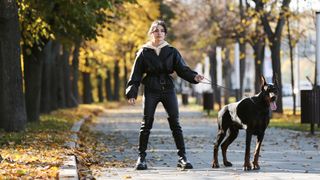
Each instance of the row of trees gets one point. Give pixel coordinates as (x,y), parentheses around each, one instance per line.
(208,24)
(56,40)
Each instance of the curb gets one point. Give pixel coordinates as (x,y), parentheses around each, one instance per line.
(69,168)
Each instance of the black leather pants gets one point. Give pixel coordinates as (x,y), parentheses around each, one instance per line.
(170,103)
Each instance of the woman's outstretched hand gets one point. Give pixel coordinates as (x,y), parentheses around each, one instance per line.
(132,101)
(198,78)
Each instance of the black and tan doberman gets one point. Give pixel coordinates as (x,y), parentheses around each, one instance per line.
(251,114)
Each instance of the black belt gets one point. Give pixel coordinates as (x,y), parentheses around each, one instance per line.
(162,77)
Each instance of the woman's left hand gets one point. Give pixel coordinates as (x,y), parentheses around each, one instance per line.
(198,78)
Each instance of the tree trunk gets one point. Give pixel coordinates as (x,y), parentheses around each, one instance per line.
(47,100)
(61,95)
(66,77)
(108,86)
(274,38)
(116,81)
(276,67)
(227,75)
(100,89)
(213,73)
(291,66)
(125,77)
(54,91)
(87,88)
(12,112)
(258,48)
(242,49)
(75,75)
(32,77)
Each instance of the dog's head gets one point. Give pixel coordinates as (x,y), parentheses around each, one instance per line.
(269,92)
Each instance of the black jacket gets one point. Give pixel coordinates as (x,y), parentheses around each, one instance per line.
(157,70)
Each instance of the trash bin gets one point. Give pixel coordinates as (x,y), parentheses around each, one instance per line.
(208,101)
(310,106)
(185,99)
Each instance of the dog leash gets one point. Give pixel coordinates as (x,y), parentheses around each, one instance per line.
(214,84)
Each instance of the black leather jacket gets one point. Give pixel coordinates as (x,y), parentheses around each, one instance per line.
(157,70)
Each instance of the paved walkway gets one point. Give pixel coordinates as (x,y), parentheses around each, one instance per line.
(285,154)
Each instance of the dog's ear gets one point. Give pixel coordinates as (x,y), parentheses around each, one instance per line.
(263,80)
(263,83)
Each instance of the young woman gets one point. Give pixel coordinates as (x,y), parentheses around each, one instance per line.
(158,59)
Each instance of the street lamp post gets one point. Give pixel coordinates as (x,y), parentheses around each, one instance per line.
(316,88)
(317,82)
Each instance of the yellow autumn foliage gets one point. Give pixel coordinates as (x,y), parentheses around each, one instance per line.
(121,39)
(39,151)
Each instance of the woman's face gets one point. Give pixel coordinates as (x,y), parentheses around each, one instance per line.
(158,34)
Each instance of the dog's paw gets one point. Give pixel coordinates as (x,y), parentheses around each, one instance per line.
(256,167)
(247,167)
(227,164)
(215,165)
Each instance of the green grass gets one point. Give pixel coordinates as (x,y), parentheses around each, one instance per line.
(289,121)
(10,137)
(293,125)
(47,123)
(56,124)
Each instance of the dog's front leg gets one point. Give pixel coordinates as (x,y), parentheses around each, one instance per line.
(257,152)
(247,165)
